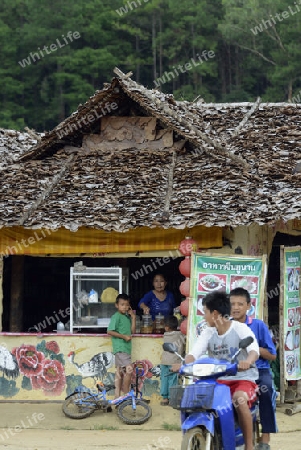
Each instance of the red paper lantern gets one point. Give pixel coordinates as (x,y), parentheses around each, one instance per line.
(185,287)
(184,307)
(185,267)
(187,246)
(183,326)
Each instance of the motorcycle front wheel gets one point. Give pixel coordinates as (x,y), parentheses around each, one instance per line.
(132,416)
(194,439)
(76,409)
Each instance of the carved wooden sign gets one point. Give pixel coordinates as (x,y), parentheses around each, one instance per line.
(120,133)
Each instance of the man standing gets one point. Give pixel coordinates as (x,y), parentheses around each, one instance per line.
(240,303)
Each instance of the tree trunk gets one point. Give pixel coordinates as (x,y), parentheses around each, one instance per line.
(154,46)
(160,47)
(290,90)
(138,56)
(237,77)
(222,66)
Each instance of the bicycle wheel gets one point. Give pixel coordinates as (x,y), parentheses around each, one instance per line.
(130,416)
(78,410)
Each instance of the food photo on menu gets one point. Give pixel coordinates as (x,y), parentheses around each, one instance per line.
(200,327)
(251,312)
(289,343)
(298,315)
(293,279)
(291,317)
(297,338)
(290,364)
(244,281)
(200,310)
(211,282)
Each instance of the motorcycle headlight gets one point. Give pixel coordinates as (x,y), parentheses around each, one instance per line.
(203,370)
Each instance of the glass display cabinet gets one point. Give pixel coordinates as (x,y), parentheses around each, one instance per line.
(93,291)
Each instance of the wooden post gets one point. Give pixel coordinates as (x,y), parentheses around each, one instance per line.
(265,308)
(1,291)
(281,328)
(16,294)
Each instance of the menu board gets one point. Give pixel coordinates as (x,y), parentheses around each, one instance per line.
(211,273)
(291,312)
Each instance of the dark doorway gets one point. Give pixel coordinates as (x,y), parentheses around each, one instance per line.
(273,282)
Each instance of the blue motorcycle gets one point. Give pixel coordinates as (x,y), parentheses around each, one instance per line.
(208,418)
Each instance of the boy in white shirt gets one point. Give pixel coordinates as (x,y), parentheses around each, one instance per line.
(221,340)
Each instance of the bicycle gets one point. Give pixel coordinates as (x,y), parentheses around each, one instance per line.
(132,409)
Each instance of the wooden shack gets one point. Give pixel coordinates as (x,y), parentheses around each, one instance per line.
(120,183)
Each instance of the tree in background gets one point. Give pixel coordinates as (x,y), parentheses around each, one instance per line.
(255,44)
(266,37)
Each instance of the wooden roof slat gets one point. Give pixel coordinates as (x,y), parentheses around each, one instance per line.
(246,118)
(57,178)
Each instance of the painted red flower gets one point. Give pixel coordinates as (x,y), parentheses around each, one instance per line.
(30,361)
(52,379)
(144,365)
(52,346)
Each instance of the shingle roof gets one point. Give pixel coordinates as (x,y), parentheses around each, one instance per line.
(13,144)
(230,164)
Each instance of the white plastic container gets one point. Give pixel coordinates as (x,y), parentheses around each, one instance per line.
(60,326)
(93,296)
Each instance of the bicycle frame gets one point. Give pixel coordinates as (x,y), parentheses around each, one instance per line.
(96,397)
(131,395)
(131,409)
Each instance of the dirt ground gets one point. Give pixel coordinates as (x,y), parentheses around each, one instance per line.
(43,426)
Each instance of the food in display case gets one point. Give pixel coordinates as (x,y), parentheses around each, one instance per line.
(109,295)
(88,320)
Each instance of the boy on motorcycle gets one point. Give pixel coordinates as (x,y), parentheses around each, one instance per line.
(221,340)
(240,303)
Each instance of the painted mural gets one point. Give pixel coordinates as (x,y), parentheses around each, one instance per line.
(53,368)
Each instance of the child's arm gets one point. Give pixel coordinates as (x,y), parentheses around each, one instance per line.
(120,336)
(265,354)
(252,349)
(267,348)
(246,363)
(200,347)
(189,359)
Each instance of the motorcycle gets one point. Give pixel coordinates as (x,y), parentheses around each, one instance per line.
(208,417)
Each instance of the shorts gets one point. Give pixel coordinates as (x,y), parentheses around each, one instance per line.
(122,359)
(249,387)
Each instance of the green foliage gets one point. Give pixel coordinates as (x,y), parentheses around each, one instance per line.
(171,426)
(26,383)
(50,351)
(72,382)
(98,426)
(8,388)
(269,31)
(41,86)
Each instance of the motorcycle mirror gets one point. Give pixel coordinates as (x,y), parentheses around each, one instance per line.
(244,343)
(169,347)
